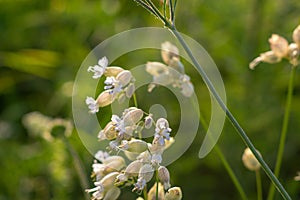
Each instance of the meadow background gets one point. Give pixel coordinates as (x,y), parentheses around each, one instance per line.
(43,43)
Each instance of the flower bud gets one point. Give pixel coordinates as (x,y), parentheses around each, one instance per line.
(294,52)
(137,146)
(108,181)
(112,194)
(164,176)
(113,71)
(115,162)
(174,193)
(279,45)
(250,161)
(296,36)
(268,57)
(148,121)
(124,77)
(105,98)
(297,178)
(132,170)
(169,52)
(152,192)
(130,90)
(109,131)
(156,68)
(133,116)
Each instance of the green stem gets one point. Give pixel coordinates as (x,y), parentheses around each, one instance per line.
(78,167)
(226,165)
(229,115)
(135,100)
(284,129)
(258,185)
(145,193)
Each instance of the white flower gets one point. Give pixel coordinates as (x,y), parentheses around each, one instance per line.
(99,69)
(101,155)
(162,130)
(92,104)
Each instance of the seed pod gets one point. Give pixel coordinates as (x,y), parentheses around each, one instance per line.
(113,71)
(174,193)
(133,116)
(296,36)
(279,45)
(294,52)
(250,161)
(105,98)
(148,121)
(124,77)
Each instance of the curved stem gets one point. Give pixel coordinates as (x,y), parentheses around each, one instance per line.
(284,129)
(258,185)
(226,165)
(229,115)
(135,100)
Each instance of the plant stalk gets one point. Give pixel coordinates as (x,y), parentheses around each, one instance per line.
(284,129)
(229,115)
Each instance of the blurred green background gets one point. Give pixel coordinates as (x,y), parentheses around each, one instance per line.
(42,44)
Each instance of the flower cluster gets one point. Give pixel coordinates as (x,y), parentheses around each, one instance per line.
(142,160)
(280,48)
(170,73)
(119,84)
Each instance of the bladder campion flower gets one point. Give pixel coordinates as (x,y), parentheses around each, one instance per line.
(99,69)
(280,48)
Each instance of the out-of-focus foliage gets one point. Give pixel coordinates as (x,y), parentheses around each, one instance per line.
(42,44)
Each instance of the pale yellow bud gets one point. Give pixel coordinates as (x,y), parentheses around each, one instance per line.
(268,57)
(174,193)
(294,53)
(296,36)
(169,52)
(279,45)
(112,194)
(156,68)
(133,116)
(112,71)
(152,192)
(250,161)
(164,176)
(124,77)
(105,98)
(137,146)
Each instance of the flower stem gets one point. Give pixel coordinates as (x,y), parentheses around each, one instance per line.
(157,182)
(145,194)
(229,115)
(284,129)
(135,100)
(226,165)
(258,185)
